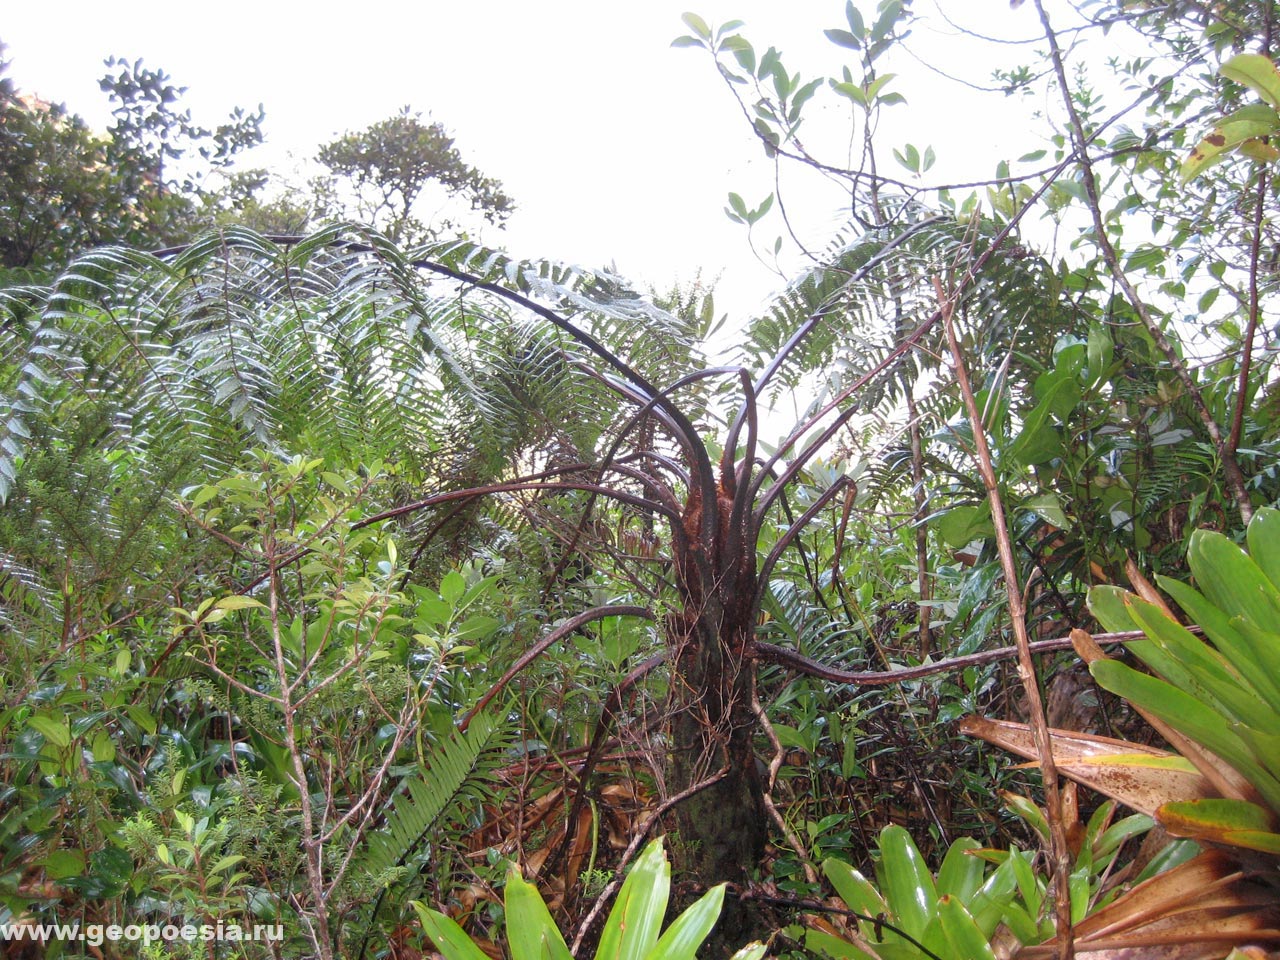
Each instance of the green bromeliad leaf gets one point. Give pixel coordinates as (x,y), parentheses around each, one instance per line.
(1236,823)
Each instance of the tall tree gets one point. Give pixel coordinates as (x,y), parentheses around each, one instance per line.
(383,175)
(153,179)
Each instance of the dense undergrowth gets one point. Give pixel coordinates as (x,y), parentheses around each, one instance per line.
(407,596)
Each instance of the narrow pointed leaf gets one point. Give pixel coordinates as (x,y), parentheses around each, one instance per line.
(685,935)
(1231,822)
(447,936)
(632,928)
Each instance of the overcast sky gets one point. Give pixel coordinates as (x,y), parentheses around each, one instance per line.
(616,147)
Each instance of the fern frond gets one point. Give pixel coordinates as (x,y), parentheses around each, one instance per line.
(457,767)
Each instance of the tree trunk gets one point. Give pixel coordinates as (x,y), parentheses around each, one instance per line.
(722,826)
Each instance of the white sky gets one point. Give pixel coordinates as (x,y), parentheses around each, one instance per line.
(616,147)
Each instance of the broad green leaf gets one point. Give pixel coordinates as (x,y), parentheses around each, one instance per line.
(54,730)
(236,602)
(1232,822)
(697,25)
(453,586)
(854,17)
(993,898)
(1107,603)
(531,933)
(61,864)
(1265,746)
(1189,664)
(632,928)
(961,932)
(906,880)
(844,38)
(1047,506)
(1251,664)
(1231,581)
(825,944)
(1264,543)
(448,937)
(752,951)
(1101,351)
(960,875)
(959,525)
(685,935)
(858,893)
(1256,72)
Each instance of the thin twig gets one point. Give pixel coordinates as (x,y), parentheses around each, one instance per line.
(1059,849)
(779,754)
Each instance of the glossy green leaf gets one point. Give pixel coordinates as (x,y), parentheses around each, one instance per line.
(448,937)
(960,875)
(858,893)
(825,944)
(961,932)
(632,928)
(531,933)
(993,898)
(682,939)
(1251,664)
(959,525)
(1265,746)
(1107,604)
(54,730)
(1119,832)
(1264,543)
(1230,580)
(907,883)
(1047,506)
(1189,664)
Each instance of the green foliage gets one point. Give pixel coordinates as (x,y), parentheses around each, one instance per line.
(632,931)
(454,766)
(66,189)
(1223,697)
(233,680)
(386,170)
(911,913)
(1247,130)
